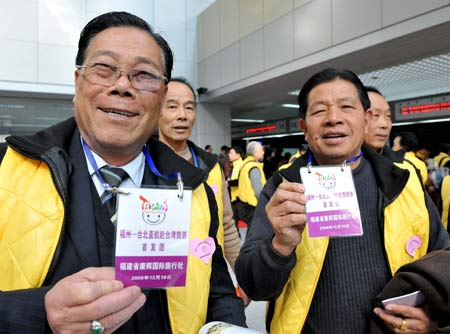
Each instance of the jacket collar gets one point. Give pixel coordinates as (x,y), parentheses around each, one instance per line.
(60,135)
(209,159)
(167,161)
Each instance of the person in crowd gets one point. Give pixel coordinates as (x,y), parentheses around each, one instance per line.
(442,159)
(268,165)
(175,126)
(379,125)
(326,284)
(286,158)
(438,168)
(224,161)
(302,150)
(423,153)
(250,181)
(56,236)
(208,148)
(235,155)
(445,200)
(406,142)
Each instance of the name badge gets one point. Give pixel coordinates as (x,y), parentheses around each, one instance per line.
(152,238)
(332,208)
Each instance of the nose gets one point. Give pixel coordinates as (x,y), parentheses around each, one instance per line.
(383,122)
(332,116)
(181,113)
(123,86)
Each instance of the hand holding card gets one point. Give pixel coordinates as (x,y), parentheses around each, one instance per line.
(415,298)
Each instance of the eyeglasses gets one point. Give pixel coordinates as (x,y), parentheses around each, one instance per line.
(106,75)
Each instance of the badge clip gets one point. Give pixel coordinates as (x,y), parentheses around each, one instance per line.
(180,186)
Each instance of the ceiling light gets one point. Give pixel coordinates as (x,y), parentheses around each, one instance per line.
(289,105)
(425,121)
(245,120)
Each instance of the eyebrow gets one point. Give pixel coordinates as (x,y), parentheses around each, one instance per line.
(138,59)
(344,99)
(176,101)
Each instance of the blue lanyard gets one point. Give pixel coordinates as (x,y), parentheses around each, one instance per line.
(149,160)
(174,175)
(194,157)
(344,163)
(151,164)
(92,162)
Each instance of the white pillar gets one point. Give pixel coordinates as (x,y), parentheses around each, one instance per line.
(212,126)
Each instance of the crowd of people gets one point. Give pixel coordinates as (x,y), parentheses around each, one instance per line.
(58,227)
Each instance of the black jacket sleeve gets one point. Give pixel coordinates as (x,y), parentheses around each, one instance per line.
(429,275)
(224,304)
(260,270)
(23,311)
(439,237)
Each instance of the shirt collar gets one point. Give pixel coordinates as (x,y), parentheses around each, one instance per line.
(134,168)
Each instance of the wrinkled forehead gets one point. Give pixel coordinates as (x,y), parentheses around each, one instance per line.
(180,91)
(126,44)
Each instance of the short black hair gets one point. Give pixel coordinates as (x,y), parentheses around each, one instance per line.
(238,150)
(122,19)
(328,75)
(408,141)
(185,81)
(373,90)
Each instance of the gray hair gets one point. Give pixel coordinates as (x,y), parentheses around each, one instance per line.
(251,147)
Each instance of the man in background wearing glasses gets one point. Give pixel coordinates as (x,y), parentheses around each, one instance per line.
(56,237)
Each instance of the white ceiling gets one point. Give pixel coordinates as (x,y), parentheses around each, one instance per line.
(423,77)
(411,66)
(427,76)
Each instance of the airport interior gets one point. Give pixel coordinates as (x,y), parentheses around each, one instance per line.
(247,60)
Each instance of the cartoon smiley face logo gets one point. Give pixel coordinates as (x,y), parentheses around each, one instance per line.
(153,218)
(328,183)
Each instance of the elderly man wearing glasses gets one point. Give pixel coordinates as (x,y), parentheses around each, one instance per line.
(57,220)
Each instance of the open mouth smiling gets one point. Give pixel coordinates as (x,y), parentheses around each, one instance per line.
(120,113)
(333,136)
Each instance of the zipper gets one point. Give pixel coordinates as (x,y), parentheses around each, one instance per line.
(57,254)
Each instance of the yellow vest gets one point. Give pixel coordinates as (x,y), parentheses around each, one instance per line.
(419,164)
(441,159)
(246,192)
(445,195)
(237,164)
(215,180)
(30,226)
(406,217)
(31,216)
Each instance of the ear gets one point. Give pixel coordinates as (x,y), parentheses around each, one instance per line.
(77,83)
(367,119)
(163,101)
(302,126)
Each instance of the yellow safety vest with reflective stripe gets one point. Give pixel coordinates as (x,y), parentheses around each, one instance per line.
(237,164)
(246,191)
(406,217)
(30,226)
